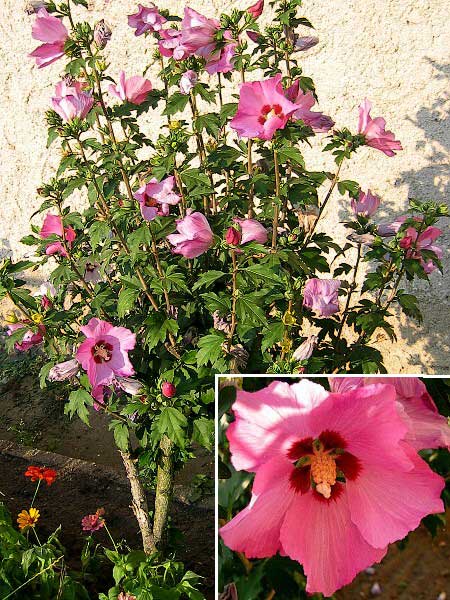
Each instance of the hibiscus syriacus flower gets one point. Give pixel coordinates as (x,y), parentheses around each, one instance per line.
(263,108)
(366,205)
(426,427)
(134,89)
(194,236)
(414,242)
(318,122)
(321,296)
(155,197)
(171,44)
(104,353)
(52,31)
(41,474)
(336,481)
(147,19)
(30,338)
(71,100)
(53,226)
(188,81)
(246,230)
(374,131)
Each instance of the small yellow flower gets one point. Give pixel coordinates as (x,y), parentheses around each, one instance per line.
(174,125)
(289,319)
(37,318)
(286,345)
(27,519)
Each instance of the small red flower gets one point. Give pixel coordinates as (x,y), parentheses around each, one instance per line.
(42,473)
(95,522)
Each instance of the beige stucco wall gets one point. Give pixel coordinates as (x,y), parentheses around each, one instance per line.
(396,52)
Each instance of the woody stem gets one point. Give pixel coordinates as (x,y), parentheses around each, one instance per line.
(277,198)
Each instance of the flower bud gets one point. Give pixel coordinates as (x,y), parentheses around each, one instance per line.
(64,370)
(174,125)
(305,350)
(188,81)
(129,385)
(37,318)
(102,34)
(256,10)
(168,389)
(305,43)
(33,6)
(233,236)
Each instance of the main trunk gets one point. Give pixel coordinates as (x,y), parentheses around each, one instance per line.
(164,489)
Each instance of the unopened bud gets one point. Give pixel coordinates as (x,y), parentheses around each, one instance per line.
(305,43)
(33,6)
(102,34)
(305,350)
(168,389)
(64,370)
(129,385)
(37,318)
(233,236)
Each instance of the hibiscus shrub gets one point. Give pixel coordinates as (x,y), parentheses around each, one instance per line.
(200,247)
(327,474)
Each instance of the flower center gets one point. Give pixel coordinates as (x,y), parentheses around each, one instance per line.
(323,472)
(322,465)
(268,112)
(150,201)
(102,352)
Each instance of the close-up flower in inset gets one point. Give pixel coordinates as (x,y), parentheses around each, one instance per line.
(336,479)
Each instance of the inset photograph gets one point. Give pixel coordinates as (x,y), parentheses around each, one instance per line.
(333,487)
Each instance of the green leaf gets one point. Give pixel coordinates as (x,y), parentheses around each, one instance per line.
(158,326)
(249,312)
(78,403)
(121,435)
(210,122)
(197,183)
(98,232)
(203,432)
(273,334)
(291,154)
(263,272)
(176,103)
(209,348)
(352,187)
(172,423)
(52,136)
(126,301)
(207,279)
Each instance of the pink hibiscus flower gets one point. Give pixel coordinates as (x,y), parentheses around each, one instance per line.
(263,108)
(52,31)
(414,242)
(221,61)
(71,100)
(257,9)
(374,130)
(366,205)
(321,296)
(316,120)
(171,44)
(188,81)
(194,236)
(53,226)
(147,19)
(251,230)
(30,338)
(426,427)
(198,32)
(104,353)
(134,90)
(155,197)
(335,483)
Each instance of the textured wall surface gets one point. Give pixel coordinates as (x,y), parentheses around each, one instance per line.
(395,52)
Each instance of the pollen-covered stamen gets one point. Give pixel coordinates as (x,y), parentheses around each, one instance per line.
(323,471)
(102,352)
(150,201)
(268,111)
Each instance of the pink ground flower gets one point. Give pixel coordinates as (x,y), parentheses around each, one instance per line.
(426,427)
(251,231)
(188,81)
(414,242)
(321,296)
(316,120)
(335,483)
(104,353)
(53,226)
(155,197)
(366,205)
(134,89)
(53,33)
(256,10)
(147,19)
(94,522)
(30,338)
(263,108)
(171,44)
(374,130)
(194,236)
